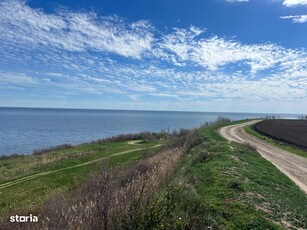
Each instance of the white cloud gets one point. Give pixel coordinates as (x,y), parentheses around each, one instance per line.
(290,3)
(73,31)
(182,47)
(16,78)
(296,18)
(67,53)
(24,28)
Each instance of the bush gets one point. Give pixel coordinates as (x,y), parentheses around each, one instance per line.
(146,136)
(185,138)
(222,120)
(50,149)
(14,155)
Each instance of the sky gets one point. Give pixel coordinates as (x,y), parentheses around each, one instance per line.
(196,55)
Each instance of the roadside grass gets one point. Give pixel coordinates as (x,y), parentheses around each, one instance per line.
(249,129)
(230,186)
(31,193)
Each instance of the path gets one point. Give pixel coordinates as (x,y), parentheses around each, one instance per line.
(26,178)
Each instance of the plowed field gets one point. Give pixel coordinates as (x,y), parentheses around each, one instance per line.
(293,132)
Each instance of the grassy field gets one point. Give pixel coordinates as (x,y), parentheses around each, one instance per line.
(61,170)
(230,186)
(297,151)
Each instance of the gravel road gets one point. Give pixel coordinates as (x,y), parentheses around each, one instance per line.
(293,166)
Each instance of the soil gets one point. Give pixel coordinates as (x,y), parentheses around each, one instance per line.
(292,132)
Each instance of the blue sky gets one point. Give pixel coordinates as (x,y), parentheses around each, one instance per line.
(198,55)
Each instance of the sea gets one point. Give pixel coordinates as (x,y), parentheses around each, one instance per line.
(23,130)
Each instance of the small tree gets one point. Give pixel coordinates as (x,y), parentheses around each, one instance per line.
(303,117)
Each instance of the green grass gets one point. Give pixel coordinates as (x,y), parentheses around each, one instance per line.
(14,168)
(249,129)
(230,186)
(31,193)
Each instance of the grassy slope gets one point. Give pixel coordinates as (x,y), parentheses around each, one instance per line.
(21,166)
(32,192)
(230,186)
(297,151)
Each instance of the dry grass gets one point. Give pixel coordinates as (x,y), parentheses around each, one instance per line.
(110,199)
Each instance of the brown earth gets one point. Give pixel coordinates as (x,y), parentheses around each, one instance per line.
(292,132)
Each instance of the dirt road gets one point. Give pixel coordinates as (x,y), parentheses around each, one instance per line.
(293,166)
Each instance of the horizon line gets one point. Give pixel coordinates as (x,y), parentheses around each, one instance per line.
(142,110)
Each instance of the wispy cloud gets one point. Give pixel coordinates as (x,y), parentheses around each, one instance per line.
(23,27)
(16,78)
(73,31)
(296,18)
(291,3)
(81,53)
(183,46)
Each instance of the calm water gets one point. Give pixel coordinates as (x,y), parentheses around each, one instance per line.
(23,130)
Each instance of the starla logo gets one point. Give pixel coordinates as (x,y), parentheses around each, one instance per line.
(30,218)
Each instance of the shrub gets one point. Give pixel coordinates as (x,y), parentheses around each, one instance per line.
(185,138)
(14,155)
(146,136)
(50,149)
(222,120)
